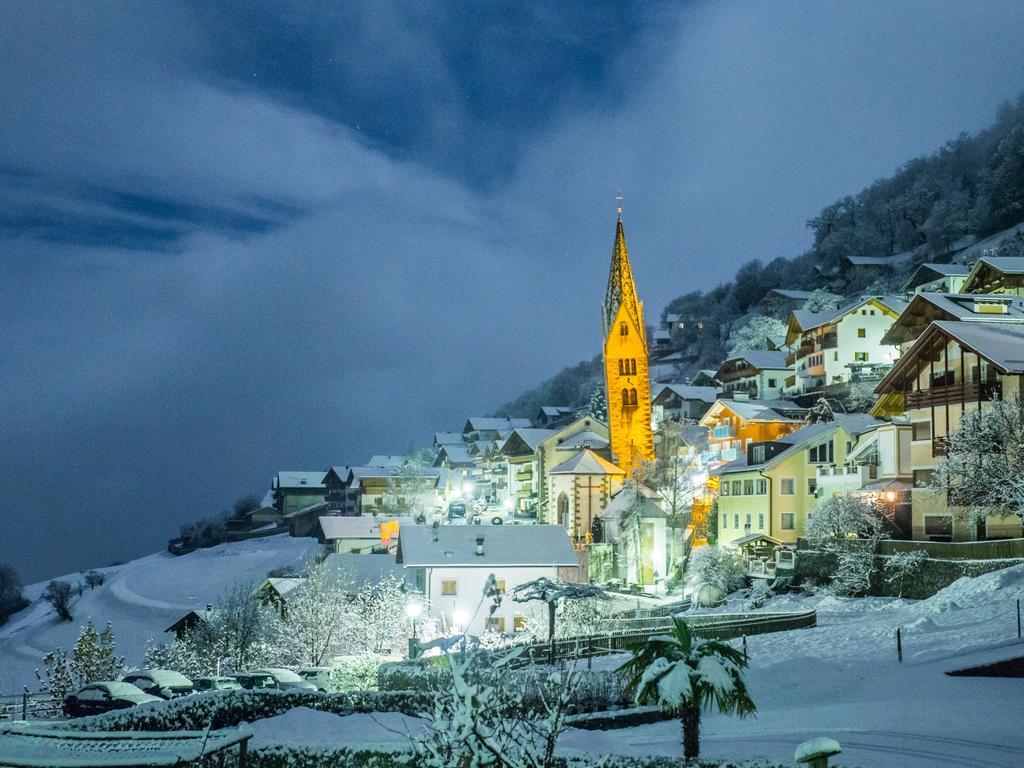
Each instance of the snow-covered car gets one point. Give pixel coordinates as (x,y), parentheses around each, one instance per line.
(97,698)
(165,683)
(202,684)
(318,676)
(274,678)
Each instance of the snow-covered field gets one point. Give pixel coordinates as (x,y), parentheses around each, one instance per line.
(141,599)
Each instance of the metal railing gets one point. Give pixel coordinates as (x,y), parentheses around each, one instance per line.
(29,706)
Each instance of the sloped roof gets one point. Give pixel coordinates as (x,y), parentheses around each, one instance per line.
(956,306)
(586,462)
(806,320)
(358,527)
(688,392)
(1001,344)
(762,410)
(360,569)
(585,439)
(531,438)
(510,545)
(930,271)
(492,423)
(300,479)
(386,460)
(555,411)
(627,499)
(446,438)
(456,453)
(760,359)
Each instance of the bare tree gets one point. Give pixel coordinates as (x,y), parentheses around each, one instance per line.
(58,594)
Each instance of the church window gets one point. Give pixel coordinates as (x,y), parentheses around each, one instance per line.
(632,397)
(623,329)
(625,397)
(632,367)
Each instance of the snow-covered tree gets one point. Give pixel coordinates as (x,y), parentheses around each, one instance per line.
(59,594)
(983,467)
(819,413)
(552,593)
(720,566)
(317,617)
(481,717)
(672,474)
(597,406)
(754,334)
(822,301)
(11,598)
(848,527)
(683,676)
(92,660)
(760,591)
(902,565)
(378,623)
(859,400)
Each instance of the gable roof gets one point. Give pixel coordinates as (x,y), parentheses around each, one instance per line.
(358,527)
(628,500)
(523,441)
(386,460)
(456,453)
(358,569)
(446,438)
(300,479)
(510,545)
(992,266)
(757,410)
(931,271)
(927,306)
(493,424)
(584,439)
(586,462)
(806,320)
(687,392)
(759,360)
(556,411)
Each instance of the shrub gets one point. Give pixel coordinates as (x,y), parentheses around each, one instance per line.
(59,594)
(11,599)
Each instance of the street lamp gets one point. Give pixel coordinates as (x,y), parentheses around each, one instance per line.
(460,618)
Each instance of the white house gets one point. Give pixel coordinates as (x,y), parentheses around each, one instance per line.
(758,373)
(362,534)
(452,564)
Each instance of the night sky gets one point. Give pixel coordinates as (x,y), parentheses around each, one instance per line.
(242,237)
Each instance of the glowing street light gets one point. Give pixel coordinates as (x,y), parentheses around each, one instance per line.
(460,618)
(413,610)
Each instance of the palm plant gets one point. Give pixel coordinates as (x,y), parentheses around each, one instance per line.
(683,677)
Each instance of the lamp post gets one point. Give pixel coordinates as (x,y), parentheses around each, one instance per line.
(414,611)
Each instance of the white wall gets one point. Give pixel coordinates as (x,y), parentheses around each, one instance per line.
(470,587)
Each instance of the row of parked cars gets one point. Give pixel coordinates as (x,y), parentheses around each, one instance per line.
(149,685)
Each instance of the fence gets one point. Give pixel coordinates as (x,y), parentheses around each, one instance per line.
(1000,549)
(717,626)
(27,706)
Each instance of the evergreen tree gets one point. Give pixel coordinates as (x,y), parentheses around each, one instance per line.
(819,413)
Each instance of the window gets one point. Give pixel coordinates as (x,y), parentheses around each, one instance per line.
(757,454)
(812,485)
(821,454)
(724,488)
(860,357)
(518,623)
(501,586)
(746,520)
(835,357)
(737,487)
(748,487)
(787,486)
(760,521)
(771,382)
(862,333)
(632,397)
(736,521)
(788,521)
(449,587)
(725,521)
(923,477)
(623,329)
(495,623)
(762,487)
(632,367)
(625,397)
(922,430)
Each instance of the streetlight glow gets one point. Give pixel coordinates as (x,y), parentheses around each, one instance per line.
(460,618)
(413,610)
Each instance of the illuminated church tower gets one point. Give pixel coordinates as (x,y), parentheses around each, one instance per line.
(626,376)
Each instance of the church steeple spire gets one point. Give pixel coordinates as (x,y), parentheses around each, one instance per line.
(621,290)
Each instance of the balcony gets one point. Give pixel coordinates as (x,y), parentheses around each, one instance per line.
(806,347)
(828,341)
(730,454)
(965,392)
(524,474)
(721,433)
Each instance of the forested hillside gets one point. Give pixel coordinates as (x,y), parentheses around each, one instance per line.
(972,186)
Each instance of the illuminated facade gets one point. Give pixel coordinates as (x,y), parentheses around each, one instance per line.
(627,379)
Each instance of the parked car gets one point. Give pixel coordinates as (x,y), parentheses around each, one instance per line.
(202,684)
(456,510)
(97,698)
(164,683)
(318,676)
(273,677)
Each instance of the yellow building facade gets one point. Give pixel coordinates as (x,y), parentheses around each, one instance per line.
(627,378)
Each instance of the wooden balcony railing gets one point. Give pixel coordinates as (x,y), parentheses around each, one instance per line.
(965,392)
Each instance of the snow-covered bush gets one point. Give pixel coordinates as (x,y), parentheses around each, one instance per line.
(11,598)
(901,565)
(759,592)
(754,334)
(722,567)
(356,673)
(847,528)
(819,413)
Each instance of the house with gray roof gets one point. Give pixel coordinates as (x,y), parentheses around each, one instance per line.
(937,278)
(996,274)
(680,402)
(452,565)
(294,490)
(758,373)
(926,308)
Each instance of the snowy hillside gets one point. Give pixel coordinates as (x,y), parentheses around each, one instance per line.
(141,599)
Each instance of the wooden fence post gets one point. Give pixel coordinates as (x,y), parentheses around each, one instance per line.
(24,704)
(899,646)
(745,657)
(1018,618)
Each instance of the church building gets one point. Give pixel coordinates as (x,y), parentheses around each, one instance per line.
(627,379)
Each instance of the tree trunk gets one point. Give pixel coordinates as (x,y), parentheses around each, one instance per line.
(551,632)
(691,732)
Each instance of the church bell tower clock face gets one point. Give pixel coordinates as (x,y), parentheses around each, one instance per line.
(627,377)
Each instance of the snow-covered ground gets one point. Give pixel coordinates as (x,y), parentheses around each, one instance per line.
(840,679)
(141,599)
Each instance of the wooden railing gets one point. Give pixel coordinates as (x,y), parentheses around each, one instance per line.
(28,705)
(965,392)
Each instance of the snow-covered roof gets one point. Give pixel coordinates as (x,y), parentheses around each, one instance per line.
(300,479)
(556,411)
(359,569)
(628,500)
(530,439)
(1000,344)
(928,306)
(447,438)
(358,527)
(456,453)
(584,439)
(932,270)
(687,392)
(308,510)
(759,359)
(50,744)
(493,424)
(586,462)
(510,545)
(758,410)
(386,460)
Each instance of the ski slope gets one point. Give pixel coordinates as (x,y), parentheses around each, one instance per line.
(141,599)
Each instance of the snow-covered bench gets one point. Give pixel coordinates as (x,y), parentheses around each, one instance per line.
(33,745)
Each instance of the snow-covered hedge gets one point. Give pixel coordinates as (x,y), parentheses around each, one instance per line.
(225,709)
(313,757)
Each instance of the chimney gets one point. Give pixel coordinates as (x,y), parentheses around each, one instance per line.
(479,546)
